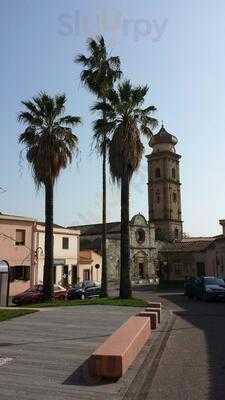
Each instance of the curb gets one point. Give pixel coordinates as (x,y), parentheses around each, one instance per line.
(140,385)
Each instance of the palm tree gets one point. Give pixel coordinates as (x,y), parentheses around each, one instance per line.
(126,120)
(100,71)
(49,144)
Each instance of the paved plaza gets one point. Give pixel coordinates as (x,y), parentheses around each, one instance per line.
(43,354)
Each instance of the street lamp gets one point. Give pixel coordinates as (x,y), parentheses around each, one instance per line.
(97,266)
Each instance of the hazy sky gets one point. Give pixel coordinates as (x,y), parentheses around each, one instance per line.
(175,46)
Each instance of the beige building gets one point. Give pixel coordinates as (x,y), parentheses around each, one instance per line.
(66,254)
(90,266)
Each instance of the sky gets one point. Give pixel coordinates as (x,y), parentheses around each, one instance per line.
(174,46)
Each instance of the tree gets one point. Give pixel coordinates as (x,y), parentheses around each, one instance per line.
(100,72)
(126,120)
(49,144)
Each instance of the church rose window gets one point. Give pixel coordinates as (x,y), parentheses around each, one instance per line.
(140,235)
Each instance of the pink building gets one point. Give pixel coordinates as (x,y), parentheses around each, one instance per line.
(16,247)
(22,243)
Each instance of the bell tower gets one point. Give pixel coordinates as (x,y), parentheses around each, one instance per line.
(164,198)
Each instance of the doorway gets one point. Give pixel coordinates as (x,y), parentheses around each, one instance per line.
(141,271)
(74,275)
(65,274)
(200,268)
(86,275)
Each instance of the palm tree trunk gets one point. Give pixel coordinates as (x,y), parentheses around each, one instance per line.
(104,226)
(125,283)
(48,265)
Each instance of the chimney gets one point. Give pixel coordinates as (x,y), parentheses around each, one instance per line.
(222,223)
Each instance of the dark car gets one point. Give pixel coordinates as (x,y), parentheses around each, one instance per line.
(210,288)
(35,294)
(92,289)
(75,292)
(86,289)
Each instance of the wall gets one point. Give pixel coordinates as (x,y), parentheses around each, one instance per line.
(17,255)
(215,258)
(61,256)
(95,274)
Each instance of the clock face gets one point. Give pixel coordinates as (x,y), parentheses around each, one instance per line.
(140,235)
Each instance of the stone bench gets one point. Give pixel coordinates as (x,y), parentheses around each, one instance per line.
(153,315)
(157,310)
(115,355)
(154,305)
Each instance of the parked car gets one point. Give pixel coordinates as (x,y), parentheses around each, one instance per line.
(86,289)
(205,288)
(210,288)
(35,294)
(75,292)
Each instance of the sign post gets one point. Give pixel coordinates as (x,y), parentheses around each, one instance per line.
(4,283)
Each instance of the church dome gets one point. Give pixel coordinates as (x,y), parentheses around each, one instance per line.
(163,137)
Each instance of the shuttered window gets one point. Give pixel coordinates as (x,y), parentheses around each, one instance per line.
(20,237)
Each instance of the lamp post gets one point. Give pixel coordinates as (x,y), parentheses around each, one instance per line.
(97,266)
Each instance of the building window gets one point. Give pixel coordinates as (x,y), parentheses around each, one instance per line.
(174,197)
(178,269)
(173,173)
(176,233)
(20,237)
(65,243)
(20,273)
(140,235)
(86,275)
(157,173)
(158,197)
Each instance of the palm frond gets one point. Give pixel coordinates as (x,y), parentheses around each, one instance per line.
(70,120)
(48,139)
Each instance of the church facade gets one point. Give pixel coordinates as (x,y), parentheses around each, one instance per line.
(158,247)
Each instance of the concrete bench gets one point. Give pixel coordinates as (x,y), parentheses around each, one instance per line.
(157,310)
(115,355)
(154,305)
(153,315)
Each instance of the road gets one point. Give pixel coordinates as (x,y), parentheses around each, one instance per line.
(192,364)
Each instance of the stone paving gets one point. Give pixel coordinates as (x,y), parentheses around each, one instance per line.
(192,363)
(42,354)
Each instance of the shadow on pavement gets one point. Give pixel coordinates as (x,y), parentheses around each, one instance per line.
(210,319)
(82,377)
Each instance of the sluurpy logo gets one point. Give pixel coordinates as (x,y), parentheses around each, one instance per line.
(111,22)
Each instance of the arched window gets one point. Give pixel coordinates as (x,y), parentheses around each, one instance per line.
(157,173)
(176,233)
(158,197)
(174,197)
(173,173)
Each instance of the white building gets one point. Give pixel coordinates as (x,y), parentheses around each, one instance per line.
(66,254)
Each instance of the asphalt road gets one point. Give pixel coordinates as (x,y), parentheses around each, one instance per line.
(192,364)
